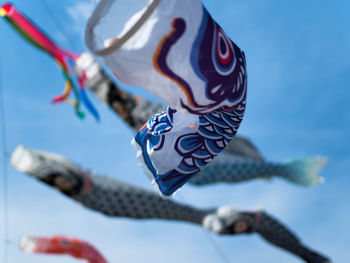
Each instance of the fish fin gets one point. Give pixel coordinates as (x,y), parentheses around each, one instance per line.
(304,171)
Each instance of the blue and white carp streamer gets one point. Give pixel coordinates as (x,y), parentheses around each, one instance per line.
(175,50)
(118,199)
(240,160)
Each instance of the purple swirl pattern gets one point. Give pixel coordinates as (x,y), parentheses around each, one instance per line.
(220,63)
(215,59)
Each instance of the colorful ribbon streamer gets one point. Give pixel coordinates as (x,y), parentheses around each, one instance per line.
(34,35)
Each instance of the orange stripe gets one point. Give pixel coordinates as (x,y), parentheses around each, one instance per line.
(143,126)
(158,69)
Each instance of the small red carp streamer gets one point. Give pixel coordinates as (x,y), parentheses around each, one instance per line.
(34,35)
(61,245)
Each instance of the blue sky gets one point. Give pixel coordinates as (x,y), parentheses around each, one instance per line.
(298,104)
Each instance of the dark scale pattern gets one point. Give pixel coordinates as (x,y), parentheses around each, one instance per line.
(227,221)
(276,233)
(106,195)
(241,146)
(227,168)
(115,198)
(118,199)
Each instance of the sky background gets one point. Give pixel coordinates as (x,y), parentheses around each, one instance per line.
(298,63)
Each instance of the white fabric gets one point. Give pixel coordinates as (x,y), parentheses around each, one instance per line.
(175,50)
(133,62)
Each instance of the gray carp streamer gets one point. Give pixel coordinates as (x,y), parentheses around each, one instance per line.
(118,199)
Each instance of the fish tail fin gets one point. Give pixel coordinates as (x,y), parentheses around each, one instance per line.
(304,171)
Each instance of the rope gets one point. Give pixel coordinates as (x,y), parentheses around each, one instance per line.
(58,24)
(5,158)
(218,250)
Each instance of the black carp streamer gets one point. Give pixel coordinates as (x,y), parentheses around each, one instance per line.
(118,199)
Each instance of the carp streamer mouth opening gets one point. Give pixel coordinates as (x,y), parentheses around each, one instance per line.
(105,43)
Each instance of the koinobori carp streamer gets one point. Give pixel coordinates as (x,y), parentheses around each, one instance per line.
(239,161)
(175,50)
(119,199)
(61,245)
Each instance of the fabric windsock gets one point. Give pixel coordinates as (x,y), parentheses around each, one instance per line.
(61,245)
(176,51)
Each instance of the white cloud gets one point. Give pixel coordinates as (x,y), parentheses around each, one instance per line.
(79,11)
